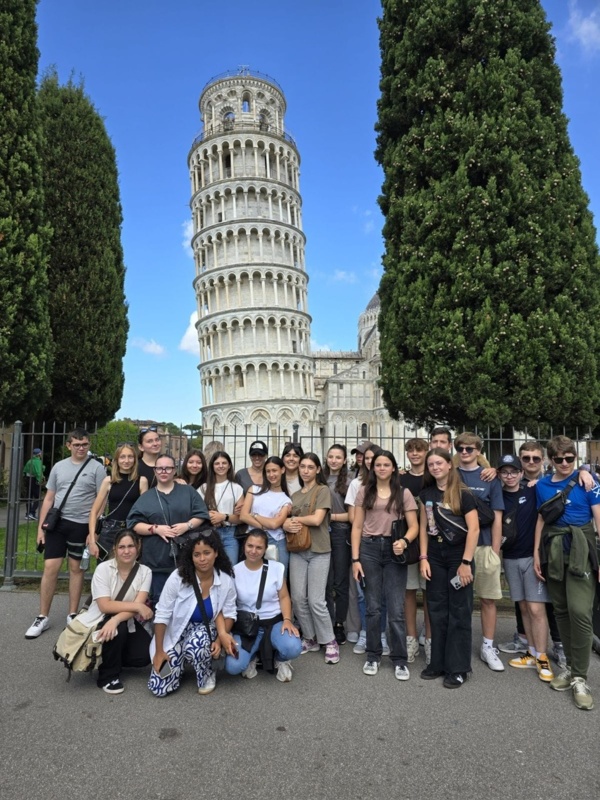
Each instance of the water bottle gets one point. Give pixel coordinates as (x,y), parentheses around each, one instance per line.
(85,558)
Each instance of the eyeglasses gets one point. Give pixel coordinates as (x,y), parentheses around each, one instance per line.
(151,428)
(463,449)
(509,474)
(560,459)
(535,459)
(80,446)
(164,469)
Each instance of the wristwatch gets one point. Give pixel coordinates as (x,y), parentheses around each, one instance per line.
(467,563)
(226,518)
(354,560)
(190,526)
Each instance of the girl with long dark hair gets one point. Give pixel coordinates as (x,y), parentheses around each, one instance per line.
(335,472)
(291,455)
(193,469)
(222,495)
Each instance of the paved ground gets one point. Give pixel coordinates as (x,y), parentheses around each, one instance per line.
(332,732)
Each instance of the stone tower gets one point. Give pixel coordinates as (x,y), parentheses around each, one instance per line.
(251,284)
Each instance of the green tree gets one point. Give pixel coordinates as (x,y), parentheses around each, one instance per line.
(86,271)
(25,338)
(106,439)
(490,293)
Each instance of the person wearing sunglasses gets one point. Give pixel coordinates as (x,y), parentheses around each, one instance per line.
(487,554)
(164,513)
(566,557)
(150,445)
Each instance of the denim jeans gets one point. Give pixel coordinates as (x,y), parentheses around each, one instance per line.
(450,610)
(230,543)
(285,645)
(384,577)
(338,581)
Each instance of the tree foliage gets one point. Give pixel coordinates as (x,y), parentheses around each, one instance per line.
(25,340)
(490,293)
(86,269)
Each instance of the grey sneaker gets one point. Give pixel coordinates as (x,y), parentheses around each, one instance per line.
(582,694)
(250,671)
(517,646)
(562,681)
(40,624)
(412,648)
(361,645)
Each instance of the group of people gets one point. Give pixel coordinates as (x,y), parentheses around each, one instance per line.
(216,581)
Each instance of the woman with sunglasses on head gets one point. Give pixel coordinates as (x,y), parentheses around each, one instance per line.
(193,469)
(309,569)
(338,582)
(222,495)
(150,445)
(292,453)
(566,557)
(168,511)
(378,505)
(117,495)
(277,640)
(447,553)
(125,642)
(180,634)
(268,506)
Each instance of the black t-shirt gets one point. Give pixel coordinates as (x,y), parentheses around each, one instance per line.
(414,483)
(433,496)
(147,472)
(526,521)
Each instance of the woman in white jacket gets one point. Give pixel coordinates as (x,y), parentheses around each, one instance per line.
(179,631)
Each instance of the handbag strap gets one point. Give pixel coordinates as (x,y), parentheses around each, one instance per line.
(201,606)
(161,506)
(128,581)
(106,516)
(261,588)
(83,466)
(571,485)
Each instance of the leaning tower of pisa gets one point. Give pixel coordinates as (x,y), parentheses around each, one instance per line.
(251,283)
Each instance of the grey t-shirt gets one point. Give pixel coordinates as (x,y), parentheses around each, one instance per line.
(81,498)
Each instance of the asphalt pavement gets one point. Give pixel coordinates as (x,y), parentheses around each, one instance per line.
(331,732)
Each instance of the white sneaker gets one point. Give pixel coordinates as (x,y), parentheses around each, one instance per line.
(402,673)
(427,651)
(209,684)
(284,671)
(361,646)
(490,656)
(40,624)
(250,671)
(412,648)
(370,667)
(352,636)
(385,648)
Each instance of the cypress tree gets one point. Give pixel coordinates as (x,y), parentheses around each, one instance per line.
(490,293)
(25,340)
(86,270)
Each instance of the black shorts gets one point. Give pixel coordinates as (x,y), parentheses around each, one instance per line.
(68,538)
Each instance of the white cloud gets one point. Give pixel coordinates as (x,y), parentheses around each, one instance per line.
(585,29)
(187,228)
(314,345)
(369,226)
(149,346)
(341,276)
(189,340)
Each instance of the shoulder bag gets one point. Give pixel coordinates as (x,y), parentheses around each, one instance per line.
(412,550)
(107,529)
(248,622)
(54,514)
(554,508)
(301,541)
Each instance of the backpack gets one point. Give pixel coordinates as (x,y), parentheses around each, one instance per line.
(76,648)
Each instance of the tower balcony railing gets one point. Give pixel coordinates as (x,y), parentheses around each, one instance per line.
(241,126)
(241,72)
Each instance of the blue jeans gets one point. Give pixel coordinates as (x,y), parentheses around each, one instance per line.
(285,645)
(282,552)
(230,543)
(384,577)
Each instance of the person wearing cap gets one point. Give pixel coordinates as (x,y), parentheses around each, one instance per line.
(34,472)
(526,588)
(359,453)
(254,474)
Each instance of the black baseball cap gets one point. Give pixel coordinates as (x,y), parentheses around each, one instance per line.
(510,461)
(258,448)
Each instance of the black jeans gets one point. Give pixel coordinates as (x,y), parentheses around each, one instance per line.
(33,496)
(125,650)
(450,610)
(384,577)
(338,581)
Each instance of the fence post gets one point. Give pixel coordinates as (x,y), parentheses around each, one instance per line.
(12,520)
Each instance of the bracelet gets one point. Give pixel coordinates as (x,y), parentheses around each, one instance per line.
(287,619)
(355,560)
(151,529)
(423,558)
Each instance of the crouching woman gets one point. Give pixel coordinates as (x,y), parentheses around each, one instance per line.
(180,631)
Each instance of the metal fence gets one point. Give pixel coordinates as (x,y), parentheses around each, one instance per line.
(17,442)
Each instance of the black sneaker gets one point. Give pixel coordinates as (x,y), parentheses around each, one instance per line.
(339,633)
(429,674)
(113,687)
(455,680)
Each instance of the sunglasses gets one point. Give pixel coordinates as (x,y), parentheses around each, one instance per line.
(535,459)
(560,459)
(463,449)
(125,444)
(152,428)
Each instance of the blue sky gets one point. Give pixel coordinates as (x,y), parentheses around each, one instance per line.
(144,64)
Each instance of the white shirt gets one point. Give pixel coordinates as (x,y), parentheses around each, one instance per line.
(227,494)
(269,505)
(178,601)
(106,582)
(247,584)
(355,485)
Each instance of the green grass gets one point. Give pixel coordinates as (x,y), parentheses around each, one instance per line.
(27,557)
